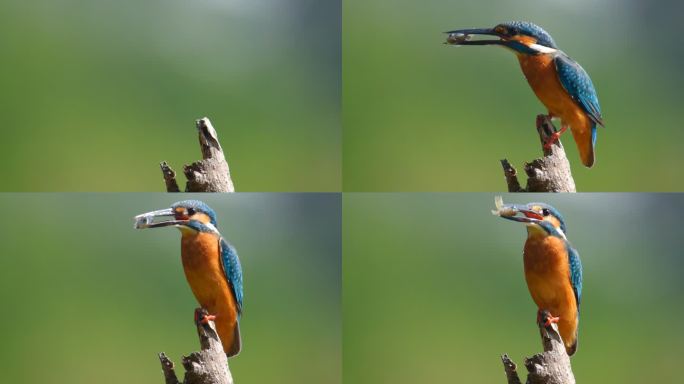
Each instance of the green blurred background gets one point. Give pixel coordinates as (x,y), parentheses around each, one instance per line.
(434,290)
(88,299)
(96,93)
(422,116)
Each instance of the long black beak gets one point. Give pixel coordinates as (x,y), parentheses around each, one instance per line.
(514,212)
(462,37)
(146,220)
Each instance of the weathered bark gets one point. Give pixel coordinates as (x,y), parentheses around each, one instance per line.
(208,366)
(551,367)
(551,173)
(211,174)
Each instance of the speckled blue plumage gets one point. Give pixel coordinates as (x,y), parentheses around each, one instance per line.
(577,83)
(531,29)
(572,76)
(233,271)
(575,273)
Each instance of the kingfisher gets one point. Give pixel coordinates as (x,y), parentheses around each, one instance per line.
(211,266)
(553,269)
(559,82)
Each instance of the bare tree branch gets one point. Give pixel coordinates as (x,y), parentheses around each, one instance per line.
(551,367)
(550,173)
(208,366)
(169,177)
(211,174)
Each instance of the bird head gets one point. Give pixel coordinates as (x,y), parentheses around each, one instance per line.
(540,218)
(187,215)
(521,36)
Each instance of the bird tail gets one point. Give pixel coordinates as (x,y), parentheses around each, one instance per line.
(586,147)
(234,348)
(572,348)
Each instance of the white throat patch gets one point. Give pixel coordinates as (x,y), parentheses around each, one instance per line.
(211,227)
(542,48)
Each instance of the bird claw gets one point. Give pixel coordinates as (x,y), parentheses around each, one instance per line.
(551,140)
(554,137)
(551,320)
(545,318)
(202,316)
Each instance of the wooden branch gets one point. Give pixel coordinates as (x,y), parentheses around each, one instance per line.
(550,173)
(208,366)
(551,367)
(211,174)
(169,177)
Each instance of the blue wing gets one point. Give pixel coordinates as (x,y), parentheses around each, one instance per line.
(576,81)
(233,271)
(575,274)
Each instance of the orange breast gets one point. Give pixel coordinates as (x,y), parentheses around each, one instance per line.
(540,72)
(200,254)
(547,273)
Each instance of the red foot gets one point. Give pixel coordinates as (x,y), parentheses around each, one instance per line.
(554,137)
(545,318)
(203,317)
(550,320)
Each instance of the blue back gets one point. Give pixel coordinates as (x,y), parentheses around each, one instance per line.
(575,273)
(233,271)
(576,81)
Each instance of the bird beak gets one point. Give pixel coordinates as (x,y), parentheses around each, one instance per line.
(146,220)
(463,36)
(519,213)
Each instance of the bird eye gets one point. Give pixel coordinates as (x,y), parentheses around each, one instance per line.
(500,30)
(545,212)
(191,211)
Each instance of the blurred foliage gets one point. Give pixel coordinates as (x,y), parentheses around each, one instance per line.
(88,299)
(96,93)
(434,290)
(422,116)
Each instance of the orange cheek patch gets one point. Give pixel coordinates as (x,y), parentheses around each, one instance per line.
(201,217)
(527,40)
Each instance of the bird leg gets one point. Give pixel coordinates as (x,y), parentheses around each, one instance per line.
(202,316)
(554,136)
(548,131)
(545,318)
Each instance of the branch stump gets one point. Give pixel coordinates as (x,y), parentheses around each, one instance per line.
(550,367)
(211,174)
(550,173)
(208,366)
